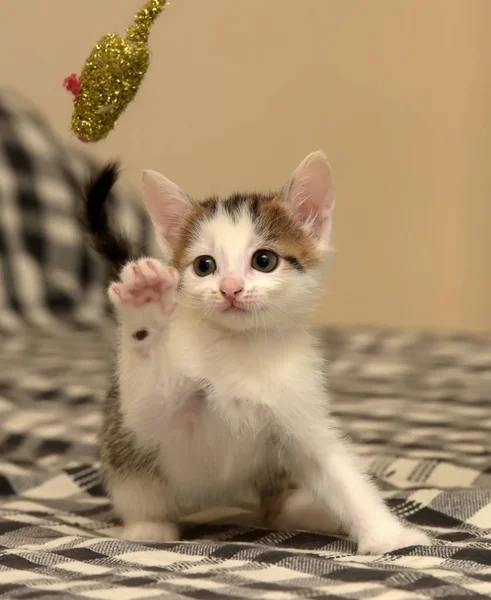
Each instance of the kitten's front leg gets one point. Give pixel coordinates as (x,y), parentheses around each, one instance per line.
(144,300)
(327,467)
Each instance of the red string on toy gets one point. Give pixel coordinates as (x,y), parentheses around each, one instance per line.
(72,85)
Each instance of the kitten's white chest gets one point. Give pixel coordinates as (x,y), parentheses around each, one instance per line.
(210,455)
(211,442)
(208,411)
(251,370)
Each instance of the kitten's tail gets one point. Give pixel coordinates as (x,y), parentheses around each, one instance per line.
(112,245)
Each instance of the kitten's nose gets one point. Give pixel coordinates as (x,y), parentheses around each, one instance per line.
(230,287)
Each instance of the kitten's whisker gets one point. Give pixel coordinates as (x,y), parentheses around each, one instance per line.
(205,315)
(288,314)
(274,321)
(265,328)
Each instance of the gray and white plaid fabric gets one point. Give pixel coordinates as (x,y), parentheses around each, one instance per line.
(47,271)
(416,406)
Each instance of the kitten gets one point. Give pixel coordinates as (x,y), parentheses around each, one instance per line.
(219,389)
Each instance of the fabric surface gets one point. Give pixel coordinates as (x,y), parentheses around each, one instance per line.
(416,406)
(47,271)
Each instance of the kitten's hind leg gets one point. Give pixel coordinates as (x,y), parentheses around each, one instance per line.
(298,509)
(141,504)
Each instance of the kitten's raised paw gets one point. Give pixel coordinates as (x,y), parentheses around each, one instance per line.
(393,540)
(149,531)
(144,281)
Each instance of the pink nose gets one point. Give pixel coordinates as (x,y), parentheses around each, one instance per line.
(231,287)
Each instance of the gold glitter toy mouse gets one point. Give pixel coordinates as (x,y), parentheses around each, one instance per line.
(111,76)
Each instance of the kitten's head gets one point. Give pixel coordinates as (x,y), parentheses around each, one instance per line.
(250,260)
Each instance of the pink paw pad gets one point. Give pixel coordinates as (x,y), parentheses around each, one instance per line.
(143,281)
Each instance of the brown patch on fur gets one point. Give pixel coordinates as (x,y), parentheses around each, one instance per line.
(272,497)
(199,213)
(277,225)
(273,220)
(119,452)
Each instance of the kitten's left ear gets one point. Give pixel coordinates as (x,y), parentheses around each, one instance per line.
(310,193)
(167,205)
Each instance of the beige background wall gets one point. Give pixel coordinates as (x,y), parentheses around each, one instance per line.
(397,92)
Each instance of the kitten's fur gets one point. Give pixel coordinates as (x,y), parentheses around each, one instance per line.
(208,405)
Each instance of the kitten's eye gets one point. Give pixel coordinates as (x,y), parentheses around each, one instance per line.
(265,261)
(204,265)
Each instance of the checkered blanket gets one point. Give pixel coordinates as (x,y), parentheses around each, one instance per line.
(417,407)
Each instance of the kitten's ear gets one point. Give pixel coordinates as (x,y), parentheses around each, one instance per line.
(167,204)
(310,193)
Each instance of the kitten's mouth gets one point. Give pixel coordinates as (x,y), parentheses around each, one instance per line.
(233,309)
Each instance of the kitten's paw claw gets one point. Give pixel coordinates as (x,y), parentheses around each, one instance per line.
(393,540)
(149,531)
(143,281)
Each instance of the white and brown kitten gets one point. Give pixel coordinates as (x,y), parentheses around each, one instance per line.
(219,390)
